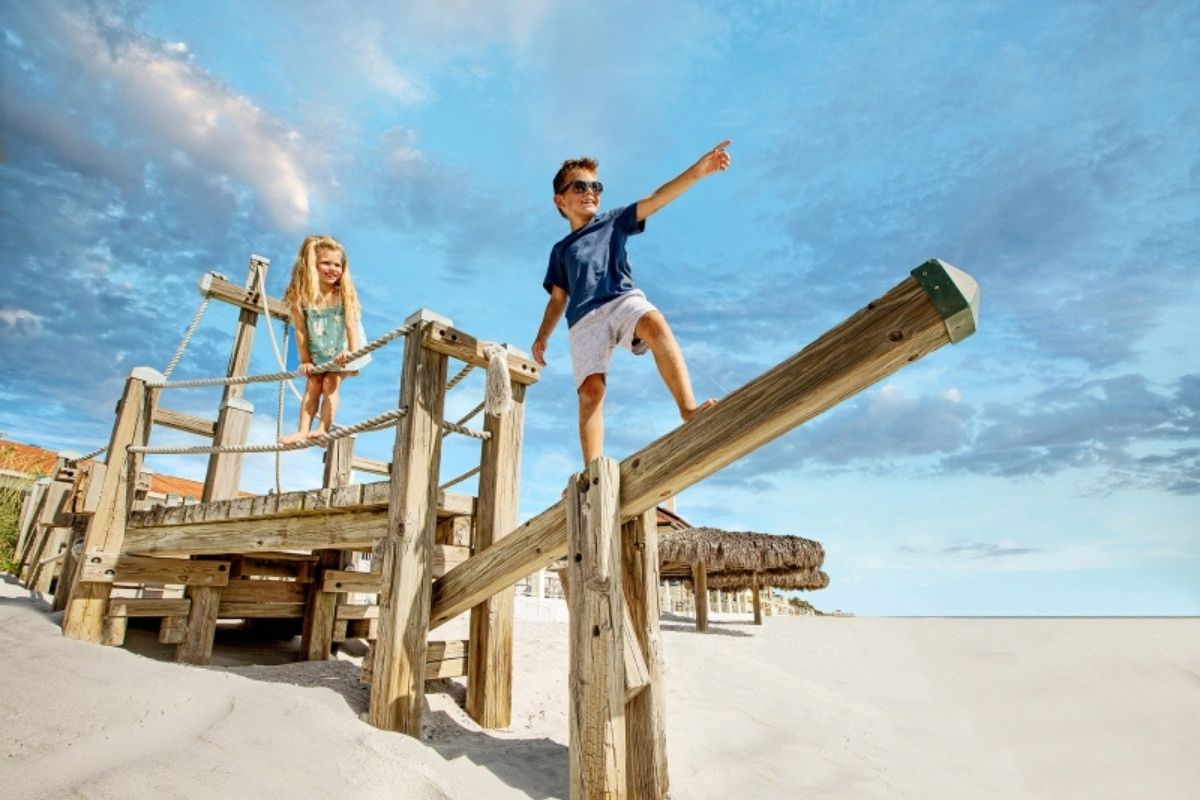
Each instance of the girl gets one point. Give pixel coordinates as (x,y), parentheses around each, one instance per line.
(328,322)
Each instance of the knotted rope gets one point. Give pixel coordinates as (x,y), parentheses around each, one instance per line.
(328,366)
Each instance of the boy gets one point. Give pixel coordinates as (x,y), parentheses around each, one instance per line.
(589,277)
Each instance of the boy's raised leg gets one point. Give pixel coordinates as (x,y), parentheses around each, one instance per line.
(653,329)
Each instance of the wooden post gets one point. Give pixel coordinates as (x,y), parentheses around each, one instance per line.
(489,665)
(596,601)
(700,590)
(88,604)
(757,598)
(398,672)
(40,532)
(645,713)
(936,305)
(31,505)
(316,640)
(233,421)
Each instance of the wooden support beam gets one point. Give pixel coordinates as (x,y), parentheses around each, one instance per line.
(316,637)
(756,597)
(197,644)
(88,604)
(178,420)
(645,711)
(247,299)
(351,530)
(110,568)
(889,333)
(398,687)
(148,607)
(489,683)
(700,590)
(372,465)
(233,420)
(597,612)
(465,347)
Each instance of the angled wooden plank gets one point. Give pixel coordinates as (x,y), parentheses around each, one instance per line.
(876,341)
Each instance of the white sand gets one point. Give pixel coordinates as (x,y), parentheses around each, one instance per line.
(799,708)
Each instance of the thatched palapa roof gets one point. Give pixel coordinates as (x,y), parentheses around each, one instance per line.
(735,560)
(734,551)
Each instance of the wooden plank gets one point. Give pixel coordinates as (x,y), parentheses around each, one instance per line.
(357,529)
(398,687)
(88,604)
(597,610)
(446,557)
(645,712)
(450,661)
(371,465)
(218,288)
(455,530)
(257,591)
(489,683)
(357,611)
(340,580)
(464,347)
(109,568)
(147,607)
(889,333)
(756,598)
(246,610)
(373,497)
(188,423)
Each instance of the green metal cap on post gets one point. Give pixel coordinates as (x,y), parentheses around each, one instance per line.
(954,293)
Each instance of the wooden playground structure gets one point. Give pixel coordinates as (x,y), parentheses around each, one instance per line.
(436,555)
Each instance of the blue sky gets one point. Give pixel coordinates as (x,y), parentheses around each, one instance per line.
(1050,464)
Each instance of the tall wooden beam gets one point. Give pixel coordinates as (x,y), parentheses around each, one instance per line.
(233,420)
(88,604)
(489,667)
(597,611)
(316,638)
(645,713)
(398,672)
(935,305)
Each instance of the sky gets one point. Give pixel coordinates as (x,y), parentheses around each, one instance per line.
(1047,465)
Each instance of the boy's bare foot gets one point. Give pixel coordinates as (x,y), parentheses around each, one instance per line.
(691,412)
(293,438)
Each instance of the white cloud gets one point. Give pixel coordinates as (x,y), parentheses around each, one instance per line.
(174,105)
(17,322)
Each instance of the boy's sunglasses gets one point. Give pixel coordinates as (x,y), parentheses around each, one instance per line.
(579,187)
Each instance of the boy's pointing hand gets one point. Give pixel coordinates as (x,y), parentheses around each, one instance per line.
(715,160)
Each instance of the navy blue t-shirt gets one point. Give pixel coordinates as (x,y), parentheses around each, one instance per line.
(590,263)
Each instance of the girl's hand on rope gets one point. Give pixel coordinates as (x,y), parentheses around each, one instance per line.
(306,368)
(341,358)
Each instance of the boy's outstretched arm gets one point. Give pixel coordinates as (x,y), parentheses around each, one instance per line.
(715,160)
(554,311)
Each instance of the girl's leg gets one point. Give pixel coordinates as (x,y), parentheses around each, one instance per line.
(308,410)
(652,328)
(329,406)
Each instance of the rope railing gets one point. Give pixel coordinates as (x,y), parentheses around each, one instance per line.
(459,479)
(457,379)
(75,461)
(187,337)
(239,380)
(386,419)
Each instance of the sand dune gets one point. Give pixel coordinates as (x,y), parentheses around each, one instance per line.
(800,707)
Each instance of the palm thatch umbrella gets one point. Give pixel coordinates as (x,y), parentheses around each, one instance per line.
(706,558)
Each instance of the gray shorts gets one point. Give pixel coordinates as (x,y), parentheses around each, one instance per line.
(602,330)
